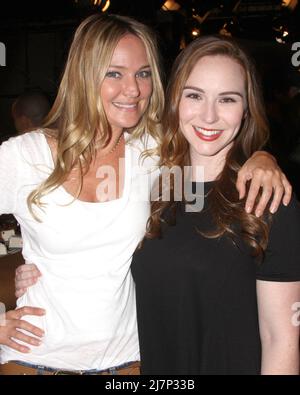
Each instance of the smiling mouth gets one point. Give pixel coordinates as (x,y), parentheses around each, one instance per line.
(207,134)
(125,106)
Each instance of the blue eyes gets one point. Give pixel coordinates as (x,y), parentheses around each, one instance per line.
(144,74)
(113,74)
(141,74)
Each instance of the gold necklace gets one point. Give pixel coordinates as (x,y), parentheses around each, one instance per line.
(113,148)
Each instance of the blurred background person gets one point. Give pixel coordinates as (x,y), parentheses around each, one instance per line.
(29,110)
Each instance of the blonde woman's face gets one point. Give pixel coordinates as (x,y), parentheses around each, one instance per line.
(127,86)
(212,106)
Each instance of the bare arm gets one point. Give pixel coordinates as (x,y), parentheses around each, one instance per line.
(263,171)
(278,330)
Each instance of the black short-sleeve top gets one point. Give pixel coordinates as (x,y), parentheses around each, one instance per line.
(196,297)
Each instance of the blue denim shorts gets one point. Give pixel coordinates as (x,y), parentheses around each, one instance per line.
(123,369)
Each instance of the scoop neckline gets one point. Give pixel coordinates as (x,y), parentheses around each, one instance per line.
(127,172)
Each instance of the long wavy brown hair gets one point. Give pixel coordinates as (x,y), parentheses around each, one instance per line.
(77,115)
(223,199)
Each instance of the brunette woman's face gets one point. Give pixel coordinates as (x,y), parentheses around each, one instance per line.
(127,86)
(212,106)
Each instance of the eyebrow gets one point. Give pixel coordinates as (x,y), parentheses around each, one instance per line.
(220,94)
(123,67)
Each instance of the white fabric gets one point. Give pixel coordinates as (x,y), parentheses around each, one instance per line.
(84,252)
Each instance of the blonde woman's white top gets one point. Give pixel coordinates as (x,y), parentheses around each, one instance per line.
(84,252)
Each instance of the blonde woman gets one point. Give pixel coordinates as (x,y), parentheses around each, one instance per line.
(227,283)
(80,226)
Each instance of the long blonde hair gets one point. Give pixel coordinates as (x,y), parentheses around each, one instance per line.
(225,206)
(77,114)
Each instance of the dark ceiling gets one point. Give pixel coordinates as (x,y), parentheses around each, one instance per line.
(34,10)
(37,35)
(244,17)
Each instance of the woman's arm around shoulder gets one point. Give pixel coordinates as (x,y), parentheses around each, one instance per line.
(263,171)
